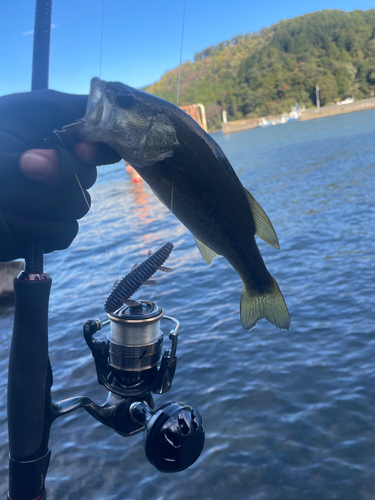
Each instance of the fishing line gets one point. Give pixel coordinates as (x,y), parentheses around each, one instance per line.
(170,214)
(101,42)
(172,199)
(178,96)
(182,44)
(87,203)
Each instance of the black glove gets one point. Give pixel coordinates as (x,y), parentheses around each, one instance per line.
(31,211)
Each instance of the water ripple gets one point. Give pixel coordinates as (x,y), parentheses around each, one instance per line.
(289,415)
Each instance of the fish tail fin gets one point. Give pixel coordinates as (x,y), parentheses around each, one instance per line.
(269,305)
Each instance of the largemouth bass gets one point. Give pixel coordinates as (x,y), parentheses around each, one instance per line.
(191,175)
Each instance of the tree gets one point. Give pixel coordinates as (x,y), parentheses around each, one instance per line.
(327,89)
(269,70)
(213,115)
(343,80)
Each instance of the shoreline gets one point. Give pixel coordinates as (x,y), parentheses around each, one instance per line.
(310,114)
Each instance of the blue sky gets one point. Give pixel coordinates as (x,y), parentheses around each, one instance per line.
(141,40)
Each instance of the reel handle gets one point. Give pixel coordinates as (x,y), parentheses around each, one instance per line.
(174,435)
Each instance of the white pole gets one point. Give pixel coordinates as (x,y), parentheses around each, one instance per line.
(203,116)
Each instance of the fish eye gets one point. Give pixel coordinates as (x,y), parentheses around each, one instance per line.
(125,101)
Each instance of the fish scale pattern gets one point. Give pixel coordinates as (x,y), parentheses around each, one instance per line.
(132,281)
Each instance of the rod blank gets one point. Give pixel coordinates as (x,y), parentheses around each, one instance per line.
(41,48)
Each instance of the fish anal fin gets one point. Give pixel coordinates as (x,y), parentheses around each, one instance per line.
(263,225)
(205,251)
(270,305)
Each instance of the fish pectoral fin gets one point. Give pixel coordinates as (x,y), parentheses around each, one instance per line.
(205,251)
(263,226)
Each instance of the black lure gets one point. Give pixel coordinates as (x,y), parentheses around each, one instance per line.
(138,276)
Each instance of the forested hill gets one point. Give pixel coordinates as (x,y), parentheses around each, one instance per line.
(266,72)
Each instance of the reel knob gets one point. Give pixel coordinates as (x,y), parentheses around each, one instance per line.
(174,435)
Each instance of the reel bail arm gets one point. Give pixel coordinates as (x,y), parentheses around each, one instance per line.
(106,373)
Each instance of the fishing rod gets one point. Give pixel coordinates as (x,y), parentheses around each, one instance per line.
(30,374)
(129,363)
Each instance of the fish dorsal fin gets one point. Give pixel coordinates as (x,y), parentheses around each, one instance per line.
(263,226)
(206,252)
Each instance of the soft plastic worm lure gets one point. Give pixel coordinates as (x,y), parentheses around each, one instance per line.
(137,277)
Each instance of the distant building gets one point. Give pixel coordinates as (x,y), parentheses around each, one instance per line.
(197,112)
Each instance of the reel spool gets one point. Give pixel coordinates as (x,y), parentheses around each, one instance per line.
(135,341)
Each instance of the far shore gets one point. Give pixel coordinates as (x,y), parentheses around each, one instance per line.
(309,114)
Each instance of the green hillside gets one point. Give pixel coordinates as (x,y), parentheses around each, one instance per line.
(266,72)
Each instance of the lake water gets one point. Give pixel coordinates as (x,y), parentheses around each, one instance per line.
(288,415)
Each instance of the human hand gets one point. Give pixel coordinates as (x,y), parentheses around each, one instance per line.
(42,165)
(40,198)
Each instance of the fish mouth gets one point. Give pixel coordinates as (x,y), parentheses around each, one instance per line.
(95,104)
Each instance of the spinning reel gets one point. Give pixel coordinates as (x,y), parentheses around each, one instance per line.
(130,365)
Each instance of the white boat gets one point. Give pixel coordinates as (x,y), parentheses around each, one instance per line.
(348,100)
